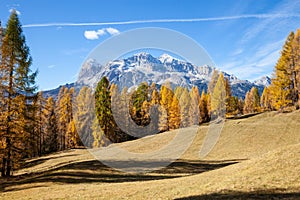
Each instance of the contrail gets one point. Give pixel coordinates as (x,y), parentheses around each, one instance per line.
(257,16)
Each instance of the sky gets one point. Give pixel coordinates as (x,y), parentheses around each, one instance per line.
(243,37)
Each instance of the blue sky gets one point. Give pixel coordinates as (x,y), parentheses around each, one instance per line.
(243,37)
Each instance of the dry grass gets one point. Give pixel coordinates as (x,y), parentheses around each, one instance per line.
(257,157)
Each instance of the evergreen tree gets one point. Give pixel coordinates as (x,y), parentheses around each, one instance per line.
(17,83)
(103,110)
(139,98)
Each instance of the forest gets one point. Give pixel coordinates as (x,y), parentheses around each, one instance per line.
(31,125)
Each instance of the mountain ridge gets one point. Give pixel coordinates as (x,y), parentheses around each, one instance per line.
(143,67)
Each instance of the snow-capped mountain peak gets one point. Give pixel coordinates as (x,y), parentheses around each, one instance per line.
(143,67)
(166,58)
(263,81)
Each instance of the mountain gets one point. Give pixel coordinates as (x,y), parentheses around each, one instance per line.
(143,66)
(264,81)
(54,92)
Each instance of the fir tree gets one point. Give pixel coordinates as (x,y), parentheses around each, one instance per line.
(103,110)
(138,98)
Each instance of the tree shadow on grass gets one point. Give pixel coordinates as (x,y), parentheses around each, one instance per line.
(94,171)
(258,194)
(37,161)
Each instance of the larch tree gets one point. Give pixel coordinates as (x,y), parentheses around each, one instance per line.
(84,116)
(17,83)
(194,115)
(174,122)
(154,110)
(252,101)
(256,99)
(120,133)
(72,138)
(203,108)
(265,100)
(62,116)
(218,98)
(39,120)
(50,142)
(166,98)
(185,103)
(248,106)
(296,66)
(281,88)
(213,81)
(229,99)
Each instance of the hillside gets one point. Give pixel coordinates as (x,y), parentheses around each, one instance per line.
(256,157)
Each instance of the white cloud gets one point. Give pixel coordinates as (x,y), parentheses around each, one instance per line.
(94,35)
(91,35)
(12,9)
(112,31)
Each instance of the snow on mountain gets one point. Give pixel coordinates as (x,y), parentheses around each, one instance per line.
(143,67)
(264,81)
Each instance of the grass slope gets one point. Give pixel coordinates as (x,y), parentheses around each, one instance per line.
(257,157)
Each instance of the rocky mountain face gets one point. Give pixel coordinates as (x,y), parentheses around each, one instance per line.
(142,67)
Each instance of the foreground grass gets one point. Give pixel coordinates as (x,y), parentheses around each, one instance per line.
(257,157)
